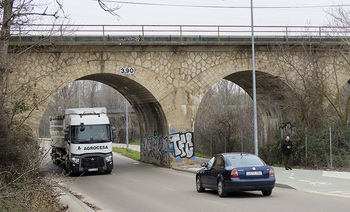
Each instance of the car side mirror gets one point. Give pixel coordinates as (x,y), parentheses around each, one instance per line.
(204,165)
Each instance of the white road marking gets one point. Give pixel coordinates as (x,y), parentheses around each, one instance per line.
(219,203)
(316,183)
(135,180)
(291,176)
(169,189)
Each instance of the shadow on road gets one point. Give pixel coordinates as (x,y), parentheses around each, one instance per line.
(242,194)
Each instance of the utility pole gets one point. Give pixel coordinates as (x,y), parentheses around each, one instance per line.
(79,92)
(330,147)
(256,149)
(127,124)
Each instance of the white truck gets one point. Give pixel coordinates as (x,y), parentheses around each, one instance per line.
(81,140)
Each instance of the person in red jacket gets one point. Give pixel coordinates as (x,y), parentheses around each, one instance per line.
(287,146)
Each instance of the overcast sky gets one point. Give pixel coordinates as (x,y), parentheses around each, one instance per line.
(206,12)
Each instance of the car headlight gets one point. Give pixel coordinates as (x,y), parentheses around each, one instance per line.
(109,158)
(75,160)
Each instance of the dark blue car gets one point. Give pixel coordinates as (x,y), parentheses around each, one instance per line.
(229,172)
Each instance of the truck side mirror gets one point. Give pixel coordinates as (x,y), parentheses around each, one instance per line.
(114,133)
(66,134)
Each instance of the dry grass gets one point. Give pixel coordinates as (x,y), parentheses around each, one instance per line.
(23,186)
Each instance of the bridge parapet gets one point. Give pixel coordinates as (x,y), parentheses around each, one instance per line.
(174,33)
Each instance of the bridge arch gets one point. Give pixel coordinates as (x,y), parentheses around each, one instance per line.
(273,99)
(272,95)
(136,89)
(149,111)
(152,120)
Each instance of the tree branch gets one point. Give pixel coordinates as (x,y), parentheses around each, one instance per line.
(109,9)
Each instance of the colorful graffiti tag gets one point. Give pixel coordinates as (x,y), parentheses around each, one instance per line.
(156,148)
(181,145)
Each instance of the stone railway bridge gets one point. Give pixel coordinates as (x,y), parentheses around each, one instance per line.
(169,81)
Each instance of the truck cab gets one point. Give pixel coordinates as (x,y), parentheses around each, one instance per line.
(87,145)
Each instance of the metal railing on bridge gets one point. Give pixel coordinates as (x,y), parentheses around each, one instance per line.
(182,33)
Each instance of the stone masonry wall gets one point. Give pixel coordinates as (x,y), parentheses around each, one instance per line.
(177,78)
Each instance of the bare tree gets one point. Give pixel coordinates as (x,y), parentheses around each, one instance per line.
(339,21)
(20,161)
(110,8)
(19,152)
(304,69)
(4,39)
(224,120)
(14,14)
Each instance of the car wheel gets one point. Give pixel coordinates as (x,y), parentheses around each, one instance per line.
(221,189)
(266,192)
(199,185)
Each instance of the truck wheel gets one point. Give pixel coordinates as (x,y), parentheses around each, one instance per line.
(54,159)
(65,166)
(57,160)
(54,156)
(108,171)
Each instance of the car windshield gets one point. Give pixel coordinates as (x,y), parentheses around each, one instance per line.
(90,134)
(244,160)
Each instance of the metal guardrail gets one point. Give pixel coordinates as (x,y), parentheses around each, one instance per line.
(178,32)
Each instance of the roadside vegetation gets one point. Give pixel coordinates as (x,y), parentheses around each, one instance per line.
(23,185)
(312,150)
(128,153)
(203,155)
(135,143)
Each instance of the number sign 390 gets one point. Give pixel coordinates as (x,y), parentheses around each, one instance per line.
(129,70)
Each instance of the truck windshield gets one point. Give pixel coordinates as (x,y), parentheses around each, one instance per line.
(91,134)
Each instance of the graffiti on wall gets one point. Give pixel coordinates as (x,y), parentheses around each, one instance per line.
(181,145)
(128,39)
(156,148)
(287,129)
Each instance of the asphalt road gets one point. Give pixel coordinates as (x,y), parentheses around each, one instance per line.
(135,186)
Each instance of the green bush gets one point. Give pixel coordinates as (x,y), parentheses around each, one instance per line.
(271,153)
(316,153)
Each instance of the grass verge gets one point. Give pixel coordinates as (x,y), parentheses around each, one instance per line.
(128,153)
(202,155)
